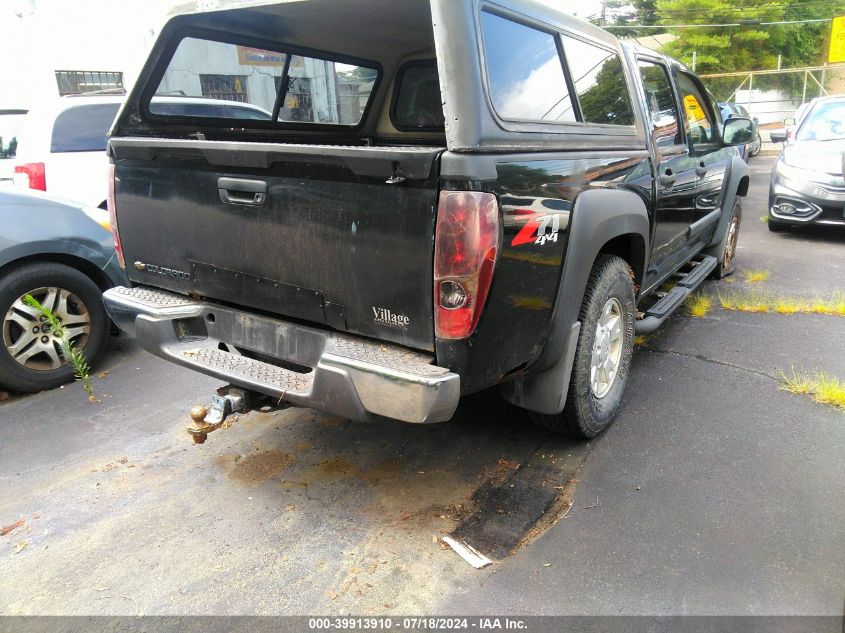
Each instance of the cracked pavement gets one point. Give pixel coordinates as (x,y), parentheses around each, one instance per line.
(714,493)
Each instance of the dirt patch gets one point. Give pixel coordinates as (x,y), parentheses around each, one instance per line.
(335,468)
(258,467)
(6,529)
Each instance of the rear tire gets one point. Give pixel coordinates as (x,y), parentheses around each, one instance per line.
(76,296)
(607,334)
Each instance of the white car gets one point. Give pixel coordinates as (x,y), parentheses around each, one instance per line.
(61,148)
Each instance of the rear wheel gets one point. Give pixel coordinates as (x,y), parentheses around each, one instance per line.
(31,356)
(603,355)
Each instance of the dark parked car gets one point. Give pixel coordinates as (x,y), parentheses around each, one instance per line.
(808,181)
(61,254)
(483,194)
(737,111)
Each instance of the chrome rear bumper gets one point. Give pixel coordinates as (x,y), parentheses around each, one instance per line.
(336,373)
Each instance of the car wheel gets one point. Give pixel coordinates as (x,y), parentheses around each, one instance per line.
(603,355)
(725,250)
(31,357)
(756,146)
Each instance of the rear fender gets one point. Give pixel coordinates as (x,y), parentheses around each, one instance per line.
(598,217)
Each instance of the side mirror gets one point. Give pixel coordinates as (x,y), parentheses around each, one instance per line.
(738,132)
(778,136)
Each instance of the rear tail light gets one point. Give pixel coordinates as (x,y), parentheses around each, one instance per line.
(31,176)
(465,249)
(118,249)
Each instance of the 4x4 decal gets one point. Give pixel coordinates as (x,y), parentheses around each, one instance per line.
(537,230)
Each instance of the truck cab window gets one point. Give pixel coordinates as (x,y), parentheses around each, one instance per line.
(701,125)
(662,107)
(416,103)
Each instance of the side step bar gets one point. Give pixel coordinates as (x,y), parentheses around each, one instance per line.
(657,314)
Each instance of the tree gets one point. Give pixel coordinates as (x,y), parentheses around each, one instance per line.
(747,47)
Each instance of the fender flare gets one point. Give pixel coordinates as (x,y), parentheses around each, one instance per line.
(599,216)
(732,188)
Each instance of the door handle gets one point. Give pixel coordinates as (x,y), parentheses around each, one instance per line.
(242,191)
(701,170)
(668,178)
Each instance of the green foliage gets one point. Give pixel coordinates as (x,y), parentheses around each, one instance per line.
(608,100)
(748,47)
(73,355)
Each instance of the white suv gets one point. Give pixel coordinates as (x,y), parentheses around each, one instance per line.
(61,148)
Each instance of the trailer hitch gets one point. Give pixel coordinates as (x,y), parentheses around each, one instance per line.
(228,400)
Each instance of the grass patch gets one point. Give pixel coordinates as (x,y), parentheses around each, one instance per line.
(744,302)
(764,219)
(757,301)
(70,353)
(755,276)
(698,304)
(640,340)
(820,386)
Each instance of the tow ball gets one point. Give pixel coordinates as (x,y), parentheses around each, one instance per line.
(228,400)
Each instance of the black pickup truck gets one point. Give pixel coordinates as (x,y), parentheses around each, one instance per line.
(415,201)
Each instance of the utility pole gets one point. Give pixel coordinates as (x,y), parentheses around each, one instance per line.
(603,18)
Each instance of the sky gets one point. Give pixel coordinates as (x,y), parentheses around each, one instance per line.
(40,36)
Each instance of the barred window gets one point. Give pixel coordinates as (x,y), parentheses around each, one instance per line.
(76,82)
(224,87)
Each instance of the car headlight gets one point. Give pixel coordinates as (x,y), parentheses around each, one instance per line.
(100,216)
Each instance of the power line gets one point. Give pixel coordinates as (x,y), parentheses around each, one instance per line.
(761,8)
(712,26)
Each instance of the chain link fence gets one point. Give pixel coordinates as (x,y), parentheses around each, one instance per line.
(772,96)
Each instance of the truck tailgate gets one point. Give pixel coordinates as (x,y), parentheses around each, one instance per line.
(315,233)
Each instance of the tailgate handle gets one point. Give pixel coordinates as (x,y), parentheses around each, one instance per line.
(242,191)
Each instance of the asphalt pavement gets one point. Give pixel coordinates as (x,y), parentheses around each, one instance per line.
(716,492)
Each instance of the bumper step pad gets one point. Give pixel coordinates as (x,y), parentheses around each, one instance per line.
(279,380)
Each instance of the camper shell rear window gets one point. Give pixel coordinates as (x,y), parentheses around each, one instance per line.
(211,79)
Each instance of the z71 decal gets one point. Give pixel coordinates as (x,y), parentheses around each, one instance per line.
(539,231)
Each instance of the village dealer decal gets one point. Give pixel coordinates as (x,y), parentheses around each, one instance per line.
(384,316)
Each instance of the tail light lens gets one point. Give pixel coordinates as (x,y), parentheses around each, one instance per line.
(31,176)
(465,248)
(118,249)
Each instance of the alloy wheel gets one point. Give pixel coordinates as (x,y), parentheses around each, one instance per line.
(608,342)
(28,336)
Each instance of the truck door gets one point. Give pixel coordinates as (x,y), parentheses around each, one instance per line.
(710,157)
(676,176)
